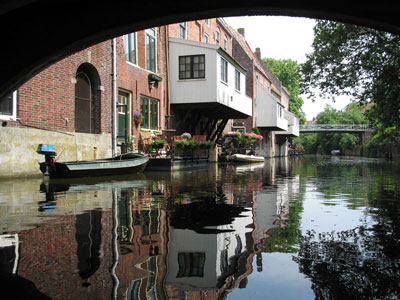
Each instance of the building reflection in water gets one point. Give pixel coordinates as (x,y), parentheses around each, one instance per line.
(197,236)
(179,235)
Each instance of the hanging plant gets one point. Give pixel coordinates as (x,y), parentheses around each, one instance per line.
(138,118)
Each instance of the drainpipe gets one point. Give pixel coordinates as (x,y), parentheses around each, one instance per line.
(114,97)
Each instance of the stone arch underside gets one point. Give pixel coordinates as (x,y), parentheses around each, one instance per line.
(37,33)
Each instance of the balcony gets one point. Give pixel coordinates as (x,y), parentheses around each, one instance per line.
(205,77)
(269,112)
(293,125)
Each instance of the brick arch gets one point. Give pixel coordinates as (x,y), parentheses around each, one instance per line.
(40,33)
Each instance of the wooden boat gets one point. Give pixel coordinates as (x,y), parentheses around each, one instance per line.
(243,158)
(124,164)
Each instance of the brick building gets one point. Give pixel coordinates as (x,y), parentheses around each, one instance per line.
(70,104)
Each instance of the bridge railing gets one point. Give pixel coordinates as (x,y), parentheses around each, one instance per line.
(335,127)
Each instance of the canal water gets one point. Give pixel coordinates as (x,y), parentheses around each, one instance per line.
(290,228)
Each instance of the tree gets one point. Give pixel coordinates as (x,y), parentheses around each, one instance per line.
(357,61)
(288,72)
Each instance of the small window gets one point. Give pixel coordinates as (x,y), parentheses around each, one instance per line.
(192,67)
(206,38)
(130,47)
(207,21)
(224,70)
(218,37)
(8,107)
(237,80)
(182,30)
(225,44)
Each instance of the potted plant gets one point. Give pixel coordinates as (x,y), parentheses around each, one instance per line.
(158,144)
(186,136)
(206,145)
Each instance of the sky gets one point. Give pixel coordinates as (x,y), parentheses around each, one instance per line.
(284,38)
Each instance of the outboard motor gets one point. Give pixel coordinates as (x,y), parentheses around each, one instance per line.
(49,152)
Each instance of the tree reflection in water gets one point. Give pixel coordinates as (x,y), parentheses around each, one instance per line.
(362,263)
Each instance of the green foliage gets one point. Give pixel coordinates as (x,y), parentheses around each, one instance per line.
(289,73)
(158,143)
(360,62)
(307,141)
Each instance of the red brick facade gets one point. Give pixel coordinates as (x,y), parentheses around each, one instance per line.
(197,30)
(133,78)
(47,101)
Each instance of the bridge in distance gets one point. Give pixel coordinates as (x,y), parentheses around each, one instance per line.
(333,128)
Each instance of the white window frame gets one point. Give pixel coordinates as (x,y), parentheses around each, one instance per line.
(148,32)
(237,80)
(125,38)
(218,37)
(13,116)
(206,38)
(224,70)
(183,26)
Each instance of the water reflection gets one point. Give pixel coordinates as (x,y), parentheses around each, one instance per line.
(206,234)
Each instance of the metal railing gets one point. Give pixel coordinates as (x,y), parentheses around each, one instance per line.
(335,128)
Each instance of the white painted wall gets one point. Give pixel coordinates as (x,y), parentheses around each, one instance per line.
(268,112)
(293,125)
(209,89)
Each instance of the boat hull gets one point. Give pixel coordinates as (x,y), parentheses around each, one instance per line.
(246,158)
(100,167)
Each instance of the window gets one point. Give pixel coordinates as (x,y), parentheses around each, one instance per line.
(224,70)
(191,264)
(151,49)
(207,21)
(206,38)
(191,67)
(237,80)
(8,107)
(149,108)
(217,37)
(182,30)
(130,47)
(225,44)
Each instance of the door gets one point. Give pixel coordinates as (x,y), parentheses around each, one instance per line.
(84,104)
(123,116)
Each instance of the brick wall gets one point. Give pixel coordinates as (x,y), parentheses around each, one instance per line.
(197,29)
(47,101)
(133,78)
(48,258)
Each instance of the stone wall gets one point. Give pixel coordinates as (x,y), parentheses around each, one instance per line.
(18,146)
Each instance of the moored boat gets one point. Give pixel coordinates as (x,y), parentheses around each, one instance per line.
(123,164)
(246,158)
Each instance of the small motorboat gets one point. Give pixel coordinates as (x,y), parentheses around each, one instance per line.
(123,164)
(243,158)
